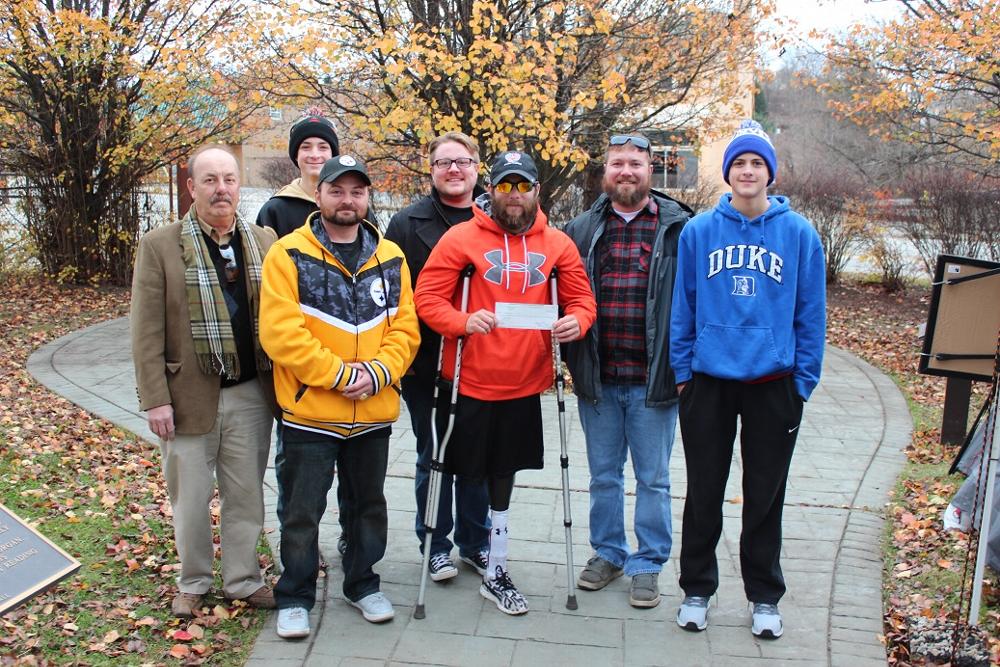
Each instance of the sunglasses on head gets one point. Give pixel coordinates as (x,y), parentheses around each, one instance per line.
(507,186)
(232,268)
(621,139)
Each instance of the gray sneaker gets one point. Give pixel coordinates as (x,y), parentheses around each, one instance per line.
(597,574)
(766,621)
(375,607)
(693,614)
(645,590)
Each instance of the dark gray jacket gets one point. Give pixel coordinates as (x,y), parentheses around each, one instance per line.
(583,356)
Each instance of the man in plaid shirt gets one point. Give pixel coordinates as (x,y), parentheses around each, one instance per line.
(626,392)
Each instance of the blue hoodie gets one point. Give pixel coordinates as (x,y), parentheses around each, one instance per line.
(750,297)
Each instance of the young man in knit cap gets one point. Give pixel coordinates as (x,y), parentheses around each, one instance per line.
(751,290)
(311,142)
(498,423)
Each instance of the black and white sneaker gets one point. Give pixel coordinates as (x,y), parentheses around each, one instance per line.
(502,591)
(479,561)
(441,567)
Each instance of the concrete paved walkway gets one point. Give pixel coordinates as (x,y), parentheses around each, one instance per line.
(848,455)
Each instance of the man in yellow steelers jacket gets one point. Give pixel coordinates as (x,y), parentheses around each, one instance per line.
(338,321)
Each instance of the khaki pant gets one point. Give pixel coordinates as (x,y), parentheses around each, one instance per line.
(235,453)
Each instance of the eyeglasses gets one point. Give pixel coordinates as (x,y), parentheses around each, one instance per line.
(507,186)
(621,139)
(444,163)
(232,268)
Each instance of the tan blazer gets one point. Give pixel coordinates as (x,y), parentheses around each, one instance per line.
(166,369)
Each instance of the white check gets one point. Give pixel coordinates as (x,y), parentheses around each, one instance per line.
(526,315)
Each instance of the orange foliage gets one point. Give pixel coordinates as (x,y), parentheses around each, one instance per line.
(930,77)
(551,77)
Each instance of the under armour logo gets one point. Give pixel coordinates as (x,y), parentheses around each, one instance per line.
(495,273)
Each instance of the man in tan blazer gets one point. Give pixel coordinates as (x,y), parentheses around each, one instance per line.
(204,380)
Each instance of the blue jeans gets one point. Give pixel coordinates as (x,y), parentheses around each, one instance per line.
(616,426)
(472,532)
(306,478)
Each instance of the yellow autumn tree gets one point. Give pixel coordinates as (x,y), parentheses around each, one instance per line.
(554,77)
(95,96)
(930,77)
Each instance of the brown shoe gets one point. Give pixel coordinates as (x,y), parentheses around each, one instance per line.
(185,604)
(262,598)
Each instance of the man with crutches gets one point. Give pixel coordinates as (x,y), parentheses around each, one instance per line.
(624,384)
(497,427)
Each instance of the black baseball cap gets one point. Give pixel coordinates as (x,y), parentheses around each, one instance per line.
(513,162)
(336,167)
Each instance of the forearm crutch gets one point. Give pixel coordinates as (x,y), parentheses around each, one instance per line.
(440,445)
(563,454)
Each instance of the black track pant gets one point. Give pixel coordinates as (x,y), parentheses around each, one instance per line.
(769,414)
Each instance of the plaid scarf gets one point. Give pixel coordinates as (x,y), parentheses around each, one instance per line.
(214,342)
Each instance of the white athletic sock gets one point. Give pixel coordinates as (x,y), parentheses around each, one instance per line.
(498,543)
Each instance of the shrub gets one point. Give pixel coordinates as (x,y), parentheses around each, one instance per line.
(837,205)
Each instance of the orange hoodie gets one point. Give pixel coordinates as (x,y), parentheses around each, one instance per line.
(506,363)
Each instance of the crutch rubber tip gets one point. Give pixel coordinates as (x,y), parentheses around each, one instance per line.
(418,611)
(571,602)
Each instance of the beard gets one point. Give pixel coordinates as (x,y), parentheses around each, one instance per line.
(345,216)
(515,223)
(626,194)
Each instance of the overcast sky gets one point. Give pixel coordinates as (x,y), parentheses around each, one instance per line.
(835,14)
(832,15)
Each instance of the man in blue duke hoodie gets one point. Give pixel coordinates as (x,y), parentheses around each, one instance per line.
(747,333)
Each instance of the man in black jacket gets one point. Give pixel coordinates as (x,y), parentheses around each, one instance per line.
(311,142)
(454,163)
(621,376)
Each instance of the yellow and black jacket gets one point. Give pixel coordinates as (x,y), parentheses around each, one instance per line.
(316,318)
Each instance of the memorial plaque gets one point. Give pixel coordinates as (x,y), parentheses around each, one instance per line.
(29,562)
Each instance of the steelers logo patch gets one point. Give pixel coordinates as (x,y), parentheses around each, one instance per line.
(378,292)
(347,161)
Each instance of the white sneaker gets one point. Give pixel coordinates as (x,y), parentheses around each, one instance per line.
(293,623)
(441,567)
(375,607)
(693,614)
(954,518)
(766,621)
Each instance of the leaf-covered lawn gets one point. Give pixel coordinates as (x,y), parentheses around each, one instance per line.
(97,491)
(924,564)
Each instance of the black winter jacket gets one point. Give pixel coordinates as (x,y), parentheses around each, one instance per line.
(583,356)
(416,229)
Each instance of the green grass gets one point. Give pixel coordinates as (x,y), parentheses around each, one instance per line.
(104,595)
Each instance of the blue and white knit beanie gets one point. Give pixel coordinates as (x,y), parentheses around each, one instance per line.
(750,137)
